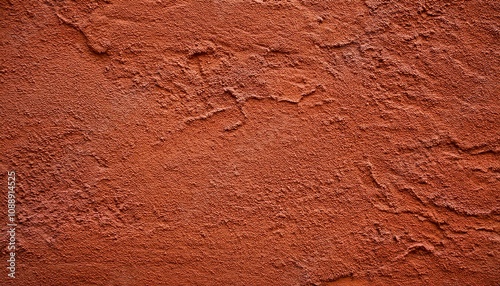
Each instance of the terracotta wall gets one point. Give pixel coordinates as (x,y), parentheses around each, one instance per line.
(298,142)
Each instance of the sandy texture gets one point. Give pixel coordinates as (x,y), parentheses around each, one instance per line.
(298,142)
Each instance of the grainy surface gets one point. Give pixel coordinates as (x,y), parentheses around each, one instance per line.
(294,142)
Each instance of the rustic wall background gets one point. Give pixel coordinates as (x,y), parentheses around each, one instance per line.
(295,142)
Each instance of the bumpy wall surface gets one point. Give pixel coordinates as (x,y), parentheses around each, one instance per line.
(298,142)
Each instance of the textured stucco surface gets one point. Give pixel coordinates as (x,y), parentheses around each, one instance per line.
(294,142)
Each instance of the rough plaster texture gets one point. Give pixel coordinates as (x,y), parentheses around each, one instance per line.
(298,142)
